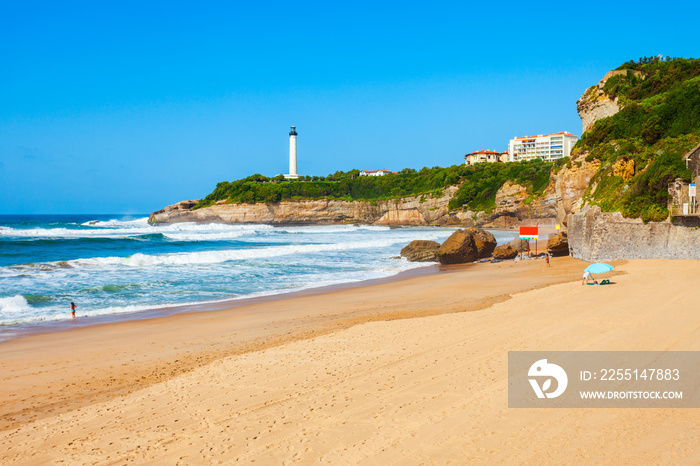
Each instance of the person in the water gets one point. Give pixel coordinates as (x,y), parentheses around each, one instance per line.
(72,309)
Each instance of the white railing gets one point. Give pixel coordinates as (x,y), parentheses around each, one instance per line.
(686,209)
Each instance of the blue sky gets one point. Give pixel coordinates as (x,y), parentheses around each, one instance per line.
(125,107)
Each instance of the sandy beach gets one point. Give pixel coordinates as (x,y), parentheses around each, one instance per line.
(406,372)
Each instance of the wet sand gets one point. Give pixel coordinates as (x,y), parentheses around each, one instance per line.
(412,371)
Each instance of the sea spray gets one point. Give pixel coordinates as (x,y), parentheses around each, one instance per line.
(13,307)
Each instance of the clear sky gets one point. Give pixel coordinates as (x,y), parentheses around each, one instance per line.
(125,107)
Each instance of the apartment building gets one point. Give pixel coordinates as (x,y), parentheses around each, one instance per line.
(546,147)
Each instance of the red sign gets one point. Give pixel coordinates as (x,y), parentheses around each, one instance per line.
(529,232)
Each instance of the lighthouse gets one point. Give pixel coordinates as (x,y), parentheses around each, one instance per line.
(292,154)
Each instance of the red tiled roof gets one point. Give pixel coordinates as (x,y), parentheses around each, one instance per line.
(482,152)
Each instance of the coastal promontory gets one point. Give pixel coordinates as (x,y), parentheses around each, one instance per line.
(630,175)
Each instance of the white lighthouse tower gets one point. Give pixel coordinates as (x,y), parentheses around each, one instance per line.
(292,154)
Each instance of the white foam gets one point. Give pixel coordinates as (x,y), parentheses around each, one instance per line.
(13,306)
(266,260)
(184,236)
(115,229)
(55,316)
(216,257)
(329,228)
(22,311)
(115,223)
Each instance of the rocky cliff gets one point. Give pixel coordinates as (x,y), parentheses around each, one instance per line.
(513,206)
(570,185)
(411,211)
(595,103)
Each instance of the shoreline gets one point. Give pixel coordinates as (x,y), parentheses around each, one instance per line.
(22,330)
(81,366)
(52,326)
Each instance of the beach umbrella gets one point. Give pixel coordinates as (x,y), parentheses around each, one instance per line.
(599,267)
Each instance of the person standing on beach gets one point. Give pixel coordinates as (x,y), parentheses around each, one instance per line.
(546,259)
(586,277)
(72,309)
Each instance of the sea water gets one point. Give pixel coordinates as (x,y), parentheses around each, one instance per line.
(110,264)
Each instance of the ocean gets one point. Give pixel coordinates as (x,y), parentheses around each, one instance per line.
(115,264)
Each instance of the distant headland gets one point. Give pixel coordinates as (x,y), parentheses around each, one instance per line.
(629,179)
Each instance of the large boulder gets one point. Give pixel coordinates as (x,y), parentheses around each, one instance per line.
(558,245)
(421,251)
(504,251)
(459,248)
(520,244)
(484,241)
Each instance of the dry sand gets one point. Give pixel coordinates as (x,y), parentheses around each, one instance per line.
(392,373)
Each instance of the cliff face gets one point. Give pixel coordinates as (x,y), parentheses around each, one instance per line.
(570,185)
(595,104)
(513,205)
(412,211)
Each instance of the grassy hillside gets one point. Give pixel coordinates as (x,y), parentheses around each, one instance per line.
(641,147)
(479,184)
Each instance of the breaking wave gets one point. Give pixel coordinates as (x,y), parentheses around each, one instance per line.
(12,306)
(216,257)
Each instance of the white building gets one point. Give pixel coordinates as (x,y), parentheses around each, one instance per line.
(376,172)
(546,147)
(292,155)
(481,156)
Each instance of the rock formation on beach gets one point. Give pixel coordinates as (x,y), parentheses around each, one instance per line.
(462,246)
(459,248)
(421,251)
(558,245)
(504,252)
(467,245)
(520,245)
(484,241)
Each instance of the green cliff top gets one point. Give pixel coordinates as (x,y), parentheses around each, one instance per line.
(641,147)
(479,184)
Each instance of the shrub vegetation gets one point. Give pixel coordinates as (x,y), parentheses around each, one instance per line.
(658,123)
(478,185)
